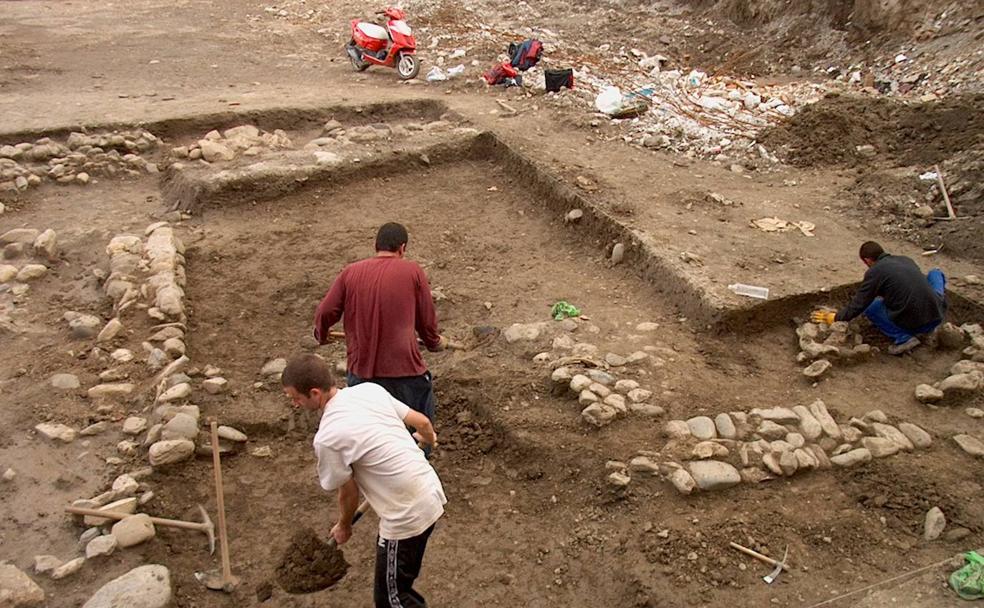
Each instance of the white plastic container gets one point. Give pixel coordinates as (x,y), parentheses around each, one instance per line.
(752,291)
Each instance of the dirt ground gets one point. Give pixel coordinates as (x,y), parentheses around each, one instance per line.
(531,519)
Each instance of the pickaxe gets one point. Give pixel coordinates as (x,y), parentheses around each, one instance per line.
(205,525)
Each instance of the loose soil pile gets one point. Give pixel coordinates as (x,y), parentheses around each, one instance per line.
(828,132)
(310,565)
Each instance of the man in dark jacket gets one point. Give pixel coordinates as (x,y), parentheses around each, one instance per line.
(896,297)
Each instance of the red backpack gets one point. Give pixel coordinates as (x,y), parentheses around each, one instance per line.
(499,73)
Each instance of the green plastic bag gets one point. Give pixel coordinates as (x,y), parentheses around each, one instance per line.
(563,309)
(968,581)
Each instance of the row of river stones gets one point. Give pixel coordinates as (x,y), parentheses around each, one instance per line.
(75,161)
(335,133)
(146,586)
(151,270)
(766,443)
(26,243)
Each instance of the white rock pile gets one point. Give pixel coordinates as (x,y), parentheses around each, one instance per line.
(836,342)
(33,249)
(244,140)
(966,377)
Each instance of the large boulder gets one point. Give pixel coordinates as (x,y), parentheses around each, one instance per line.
(713,474)
(17,590)
(702,427)
(169,452)
(143,587)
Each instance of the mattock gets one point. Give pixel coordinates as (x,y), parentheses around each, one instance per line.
(224,580)
(205,525)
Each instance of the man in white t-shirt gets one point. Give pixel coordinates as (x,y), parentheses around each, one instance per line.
(362,444)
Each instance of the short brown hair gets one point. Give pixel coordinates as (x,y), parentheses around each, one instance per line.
(307,371)
(391,237)
(870,251)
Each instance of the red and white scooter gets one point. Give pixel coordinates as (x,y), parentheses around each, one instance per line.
(370,41)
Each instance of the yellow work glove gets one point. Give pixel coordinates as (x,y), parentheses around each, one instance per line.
(823,316)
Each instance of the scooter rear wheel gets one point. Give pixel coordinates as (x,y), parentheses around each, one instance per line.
(355,56)
(408,66)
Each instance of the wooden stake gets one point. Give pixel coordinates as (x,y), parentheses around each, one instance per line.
(759,556)
(508,108)
(946,195)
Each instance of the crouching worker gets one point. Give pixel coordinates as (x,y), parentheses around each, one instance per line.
(896,297)
(362,445)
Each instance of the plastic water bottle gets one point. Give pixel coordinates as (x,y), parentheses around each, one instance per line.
(761,293)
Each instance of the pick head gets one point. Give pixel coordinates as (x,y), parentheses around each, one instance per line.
(209,528)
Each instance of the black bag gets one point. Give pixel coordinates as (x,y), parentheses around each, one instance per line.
(558,79)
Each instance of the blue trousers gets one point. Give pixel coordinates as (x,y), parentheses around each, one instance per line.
(878,314)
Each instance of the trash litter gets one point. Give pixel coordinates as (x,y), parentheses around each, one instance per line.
(752,291)
(775,224)
(929,176)
(457,70)
(563,309)
(458,53)
(555,80)
(436,74)
(968,581)
(611,101)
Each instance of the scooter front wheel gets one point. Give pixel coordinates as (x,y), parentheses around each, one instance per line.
(408,67)
(355,56)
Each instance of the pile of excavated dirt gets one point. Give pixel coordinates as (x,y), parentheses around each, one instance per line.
(901,205)
(310,565)
(830,131)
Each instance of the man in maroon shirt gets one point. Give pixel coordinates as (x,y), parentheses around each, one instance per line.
(387,303)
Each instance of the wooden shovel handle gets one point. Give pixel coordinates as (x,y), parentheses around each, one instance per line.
(762,558)
(363,507)
(451,344)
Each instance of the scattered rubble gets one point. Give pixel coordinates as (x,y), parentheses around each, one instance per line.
(966,377)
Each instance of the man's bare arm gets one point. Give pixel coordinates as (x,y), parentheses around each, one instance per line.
(425,430)
(348,502)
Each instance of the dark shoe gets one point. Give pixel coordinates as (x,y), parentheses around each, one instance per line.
(901,349)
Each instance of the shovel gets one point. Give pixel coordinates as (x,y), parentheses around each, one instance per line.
(310,565)
(451,345)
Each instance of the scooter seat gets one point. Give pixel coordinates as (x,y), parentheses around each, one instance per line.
(373,31)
